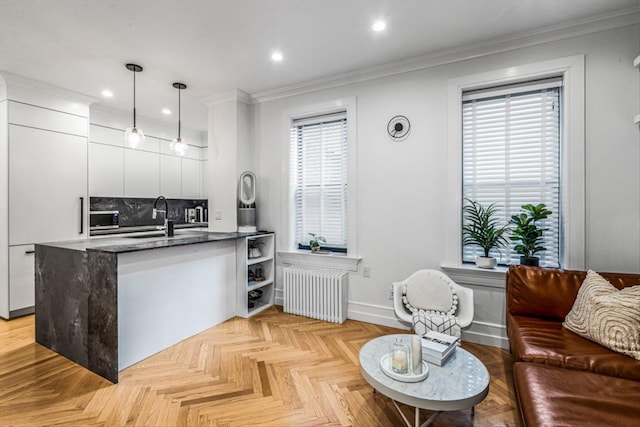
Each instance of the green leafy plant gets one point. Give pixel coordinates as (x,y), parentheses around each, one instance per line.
(315,241)
(527,231)
(483,228)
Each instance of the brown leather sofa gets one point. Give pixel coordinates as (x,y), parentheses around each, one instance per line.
(562,379)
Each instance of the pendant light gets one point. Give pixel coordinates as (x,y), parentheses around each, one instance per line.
(179,145)
(133,136)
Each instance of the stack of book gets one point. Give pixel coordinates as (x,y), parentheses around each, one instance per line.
(438,347)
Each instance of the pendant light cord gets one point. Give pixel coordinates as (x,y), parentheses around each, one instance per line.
(134,99)
(179,112)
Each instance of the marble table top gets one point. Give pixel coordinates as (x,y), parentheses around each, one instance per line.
(462,382)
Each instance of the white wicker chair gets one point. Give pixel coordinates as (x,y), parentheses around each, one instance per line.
(464,313)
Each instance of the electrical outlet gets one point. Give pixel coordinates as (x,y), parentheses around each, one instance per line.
(366,271)
(391,292)
(218,215)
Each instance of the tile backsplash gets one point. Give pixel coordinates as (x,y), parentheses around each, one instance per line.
(137,211)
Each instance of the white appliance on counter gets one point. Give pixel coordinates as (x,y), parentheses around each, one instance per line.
(247,202)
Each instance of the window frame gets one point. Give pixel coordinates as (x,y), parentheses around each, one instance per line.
(572,151)
(288,218)
(532,94)
(327,122)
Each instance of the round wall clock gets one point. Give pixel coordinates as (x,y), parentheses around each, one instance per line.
(398,128)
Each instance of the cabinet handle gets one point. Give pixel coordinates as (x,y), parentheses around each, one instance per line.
(81,215)
(30,252)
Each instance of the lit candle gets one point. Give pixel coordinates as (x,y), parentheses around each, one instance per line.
(399,357)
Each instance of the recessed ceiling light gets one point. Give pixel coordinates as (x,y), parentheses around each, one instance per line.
(277,56)
(107,93)
(166,111)
(379,26)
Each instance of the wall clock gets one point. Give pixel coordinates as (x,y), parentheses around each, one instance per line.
(398,128)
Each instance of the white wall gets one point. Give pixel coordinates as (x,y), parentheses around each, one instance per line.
(402,185)
(150,170)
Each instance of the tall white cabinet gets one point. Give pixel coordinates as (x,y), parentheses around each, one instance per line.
(43,165)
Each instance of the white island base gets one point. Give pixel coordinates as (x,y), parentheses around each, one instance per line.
(167,295)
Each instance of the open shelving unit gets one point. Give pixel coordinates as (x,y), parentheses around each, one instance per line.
(255,274)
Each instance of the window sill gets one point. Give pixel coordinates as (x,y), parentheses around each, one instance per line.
(307,259)
(472,275)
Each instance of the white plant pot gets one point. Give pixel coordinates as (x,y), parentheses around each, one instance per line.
(486,262)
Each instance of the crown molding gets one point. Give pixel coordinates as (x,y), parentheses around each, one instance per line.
(539,36)
(8,80)
(232,95)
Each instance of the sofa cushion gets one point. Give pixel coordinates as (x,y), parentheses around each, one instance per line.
(550,293)
(606,315)
(551,396)
(547,342)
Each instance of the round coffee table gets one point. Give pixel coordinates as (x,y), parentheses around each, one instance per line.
(462,382)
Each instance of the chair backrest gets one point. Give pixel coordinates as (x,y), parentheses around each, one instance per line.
(464,311)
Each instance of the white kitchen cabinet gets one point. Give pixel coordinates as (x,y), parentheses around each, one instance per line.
(106,170)
(204,171)
(190,178)
(170,176)
(21,277)
(106,135)
(47,185)
(141,173)
(45,118)
(255,274)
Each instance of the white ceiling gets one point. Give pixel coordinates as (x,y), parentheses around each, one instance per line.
(218,46)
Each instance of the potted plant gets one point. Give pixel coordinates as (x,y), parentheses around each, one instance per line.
(483,229)
(528,233)
(315,241)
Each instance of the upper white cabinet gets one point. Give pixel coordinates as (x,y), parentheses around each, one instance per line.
(170,176)
(190,178)
(141,173)
(106,170)
(44,118)
(47,185)
(116,170)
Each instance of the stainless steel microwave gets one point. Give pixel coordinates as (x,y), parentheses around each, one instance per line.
(104,219)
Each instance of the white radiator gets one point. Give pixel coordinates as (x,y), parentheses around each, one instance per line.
(320,294)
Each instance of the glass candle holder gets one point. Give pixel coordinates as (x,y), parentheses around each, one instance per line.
(400,357)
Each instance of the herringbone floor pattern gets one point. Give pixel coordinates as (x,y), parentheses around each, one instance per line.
(274,369)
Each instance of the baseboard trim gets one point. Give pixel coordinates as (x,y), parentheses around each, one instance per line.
(490,334)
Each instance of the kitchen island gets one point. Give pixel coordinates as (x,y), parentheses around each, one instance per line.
(109,303)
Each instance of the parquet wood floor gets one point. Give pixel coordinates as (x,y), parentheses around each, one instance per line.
(275,369)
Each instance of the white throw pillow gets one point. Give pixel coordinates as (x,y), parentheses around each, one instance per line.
(430,293)
(606,315)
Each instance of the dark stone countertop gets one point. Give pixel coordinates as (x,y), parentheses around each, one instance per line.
(123,244)
(138,228)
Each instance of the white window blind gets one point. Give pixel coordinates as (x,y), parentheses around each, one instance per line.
(511,156)
(319,178)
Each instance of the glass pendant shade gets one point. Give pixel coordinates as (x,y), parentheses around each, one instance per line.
(133,136)
(179,146)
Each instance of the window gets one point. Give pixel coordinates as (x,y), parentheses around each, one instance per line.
(511,156)
(318,172)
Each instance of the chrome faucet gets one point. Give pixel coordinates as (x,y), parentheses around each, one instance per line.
(168,230)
